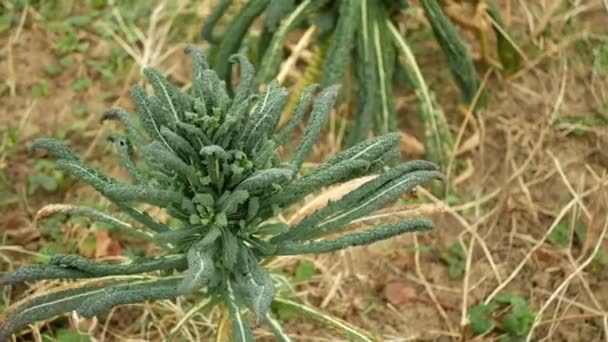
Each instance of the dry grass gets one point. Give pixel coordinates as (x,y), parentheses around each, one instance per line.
(526,175)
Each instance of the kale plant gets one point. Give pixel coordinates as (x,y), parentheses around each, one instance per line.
(210,160)
(359,37)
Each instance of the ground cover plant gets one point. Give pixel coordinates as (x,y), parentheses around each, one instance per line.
(210,160)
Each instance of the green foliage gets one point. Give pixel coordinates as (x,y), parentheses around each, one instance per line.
(210,160)
(52,70)
(515,321)
(81,84)
(6,21)
(480,318)
(46,177)
(40,89)
(561,234)
(455,258)
(519,319)
(363,43)
(600,59)
(510,58)
(65,335)
(458,55)
(305,271)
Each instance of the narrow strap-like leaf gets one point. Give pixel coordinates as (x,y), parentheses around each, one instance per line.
(457,54)
(77,267)
(200,267)
(43,307)
(438,138)
(355,239)
(376,200)
(141,217)
(264,179)
(245,87)
(92,213)
(151,117)
(370,150)
(135,266)
(125,153)
(85,173)
(170,161)
(353,333)
(234,35)
(266,114)
(214,92)
(128,294)
(253,285)
(199,62)
(40,272)
(164,91)
(304,102)
(232,202)
(213,19)
(367,79)
(54,148)
(345,170)
(230,248)
(276,328)
(323,105)
(277,9)
(70,163)
(363,193)
(338,55)
(241,331)
(383,52)
(142,194)
(121,115)
(273,55)
(508,52)
(178,143)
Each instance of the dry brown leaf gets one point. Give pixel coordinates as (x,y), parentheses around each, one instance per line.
(411,146)
(469,145)
(105,245)
(399,292)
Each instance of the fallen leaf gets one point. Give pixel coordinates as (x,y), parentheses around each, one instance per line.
(470,144)
(402,260)
(411,146)
(399,292)
(106,246)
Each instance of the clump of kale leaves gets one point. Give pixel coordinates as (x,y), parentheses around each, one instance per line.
(209,157)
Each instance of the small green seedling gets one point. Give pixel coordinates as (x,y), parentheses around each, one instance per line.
(455,258)
(516,321)
(560,235)
(305,271)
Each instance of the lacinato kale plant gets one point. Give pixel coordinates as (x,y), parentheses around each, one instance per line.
(210,160)
(358,43)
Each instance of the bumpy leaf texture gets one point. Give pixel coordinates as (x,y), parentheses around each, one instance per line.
(211,161)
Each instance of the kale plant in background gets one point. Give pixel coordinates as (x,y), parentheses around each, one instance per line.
(210,161)
(361,35)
